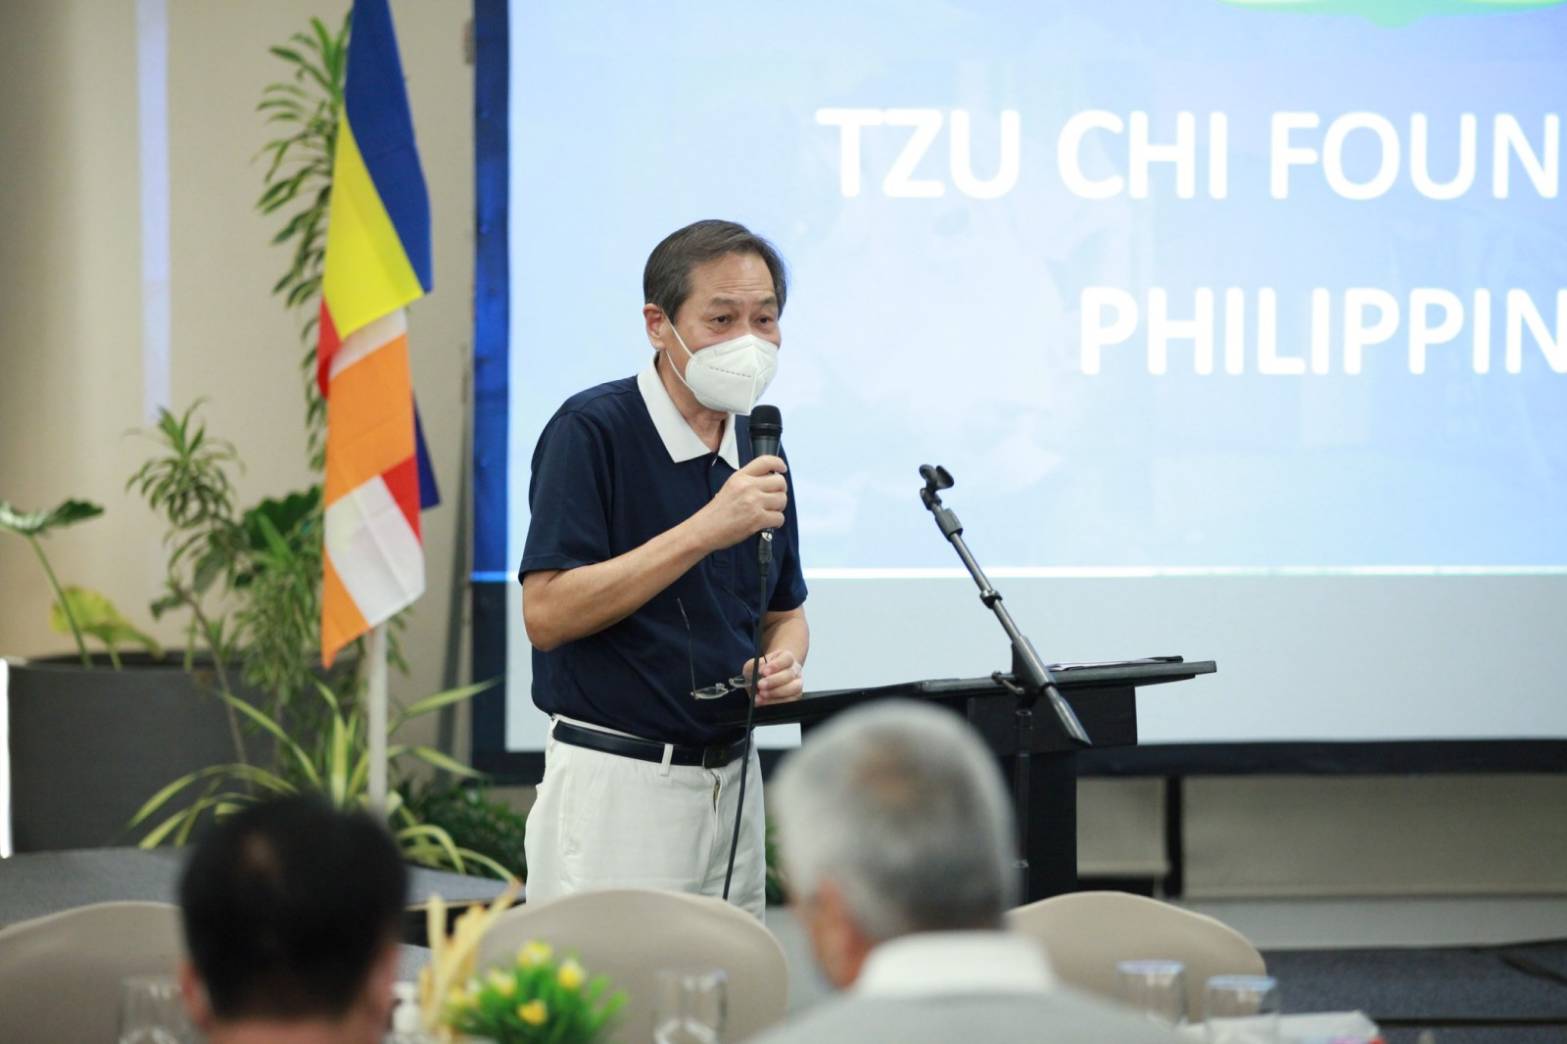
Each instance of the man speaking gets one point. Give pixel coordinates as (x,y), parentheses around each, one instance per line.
(640,586)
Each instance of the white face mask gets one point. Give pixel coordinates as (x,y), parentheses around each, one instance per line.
(731,375)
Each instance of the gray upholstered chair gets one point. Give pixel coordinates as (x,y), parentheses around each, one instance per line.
(629,934)
(60,975)
(1087,933)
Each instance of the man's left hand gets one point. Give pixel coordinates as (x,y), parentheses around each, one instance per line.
(781,678)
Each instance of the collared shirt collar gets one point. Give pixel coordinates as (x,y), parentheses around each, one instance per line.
(935,963)
(681,442)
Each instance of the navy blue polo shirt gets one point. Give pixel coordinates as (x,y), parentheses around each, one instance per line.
(606,481)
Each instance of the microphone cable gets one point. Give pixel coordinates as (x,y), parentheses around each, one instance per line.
(764,561)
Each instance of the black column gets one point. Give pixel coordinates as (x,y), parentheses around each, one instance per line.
(1051,833)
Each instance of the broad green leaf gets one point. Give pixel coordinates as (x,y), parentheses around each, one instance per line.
(37,523)
(329,696)
(359,779)
(276,731)
(97,616)
(442,699)
(286,515)
(339,766)
(445,762)
(427,832)
(163,830)
(209,567)
(162,797)
(499,871)
(193,814)
(234,771)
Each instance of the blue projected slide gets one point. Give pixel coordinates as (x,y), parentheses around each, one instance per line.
(1242,325)
(1206,284)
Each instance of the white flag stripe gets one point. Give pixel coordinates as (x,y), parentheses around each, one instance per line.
(367,339)
(374,551)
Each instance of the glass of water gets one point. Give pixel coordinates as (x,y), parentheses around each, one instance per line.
(1242,1009)
(692,1006)
(152,1012)
(1155,988)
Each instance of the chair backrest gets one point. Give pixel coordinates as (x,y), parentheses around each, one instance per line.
(1087,933)
(60,975)
(629,934)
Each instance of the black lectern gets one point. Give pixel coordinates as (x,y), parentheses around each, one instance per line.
(1104,696)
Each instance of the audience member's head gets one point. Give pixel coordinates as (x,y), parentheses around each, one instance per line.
(291,914)
(893,820)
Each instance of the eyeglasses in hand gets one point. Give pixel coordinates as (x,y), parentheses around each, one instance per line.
(718,690)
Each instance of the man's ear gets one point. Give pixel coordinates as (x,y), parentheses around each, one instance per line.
(841,947)
(657,325)
(194,994)
(378,988)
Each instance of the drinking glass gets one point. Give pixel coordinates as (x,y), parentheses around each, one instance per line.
(151,1012)
(1155,988)
(1242,1009)
(691,1006)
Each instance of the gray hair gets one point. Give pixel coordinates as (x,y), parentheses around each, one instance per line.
(901,806)
(666,279)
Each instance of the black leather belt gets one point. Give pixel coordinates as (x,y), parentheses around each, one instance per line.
(715,756)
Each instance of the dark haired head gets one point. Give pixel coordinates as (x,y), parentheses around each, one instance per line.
(288,906)
(666,279)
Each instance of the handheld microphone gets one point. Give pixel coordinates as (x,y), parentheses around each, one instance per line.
(766,432)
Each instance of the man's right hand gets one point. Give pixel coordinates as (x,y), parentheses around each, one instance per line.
(752,500)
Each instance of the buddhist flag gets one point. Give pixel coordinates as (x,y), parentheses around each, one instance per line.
(377,261)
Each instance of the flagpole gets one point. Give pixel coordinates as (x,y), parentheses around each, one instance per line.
(375,706)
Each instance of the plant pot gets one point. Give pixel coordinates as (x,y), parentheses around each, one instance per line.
(89,747)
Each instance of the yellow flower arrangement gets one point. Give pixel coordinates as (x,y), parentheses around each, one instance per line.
(571,975)
(534,953)
(533,1000)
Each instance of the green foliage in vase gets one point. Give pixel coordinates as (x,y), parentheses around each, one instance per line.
(534,1000)
(188,483)
(30,525)
(335,764)
(477,821)
(250,581)
(303,110)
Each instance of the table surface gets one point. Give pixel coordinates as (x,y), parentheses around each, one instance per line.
(35,884)
(1314,1028)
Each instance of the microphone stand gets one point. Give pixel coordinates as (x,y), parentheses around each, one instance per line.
(1030,678)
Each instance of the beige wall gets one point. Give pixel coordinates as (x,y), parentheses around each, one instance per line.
(69,299)
(70,284)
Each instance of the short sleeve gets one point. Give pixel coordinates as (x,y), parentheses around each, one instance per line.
(568,497)
(789,593)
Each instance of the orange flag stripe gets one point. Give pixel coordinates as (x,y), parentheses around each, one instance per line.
(370,417)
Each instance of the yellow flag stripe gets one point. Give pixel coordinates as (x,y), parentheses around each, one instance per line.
(366,273)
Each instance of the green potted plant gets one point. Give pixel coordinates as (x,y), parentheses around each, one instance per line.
(338,768)
(90,732)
